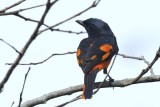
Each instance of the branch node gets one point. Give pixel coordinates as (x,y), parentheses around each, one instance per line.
(95,3)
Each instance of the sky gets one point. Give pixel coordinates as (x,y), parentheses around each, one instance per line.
(136,25)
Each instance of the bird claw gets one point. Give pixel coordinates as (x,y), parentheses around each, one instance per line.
(110,80)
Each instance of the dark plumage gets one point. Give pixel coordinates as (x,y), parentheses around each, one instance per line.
(95,52)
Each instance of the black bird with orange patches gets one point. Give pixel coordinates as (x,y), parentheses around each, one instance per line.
(95,52)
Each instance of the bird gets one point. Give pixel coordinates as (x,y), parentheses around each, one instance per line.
(95,52)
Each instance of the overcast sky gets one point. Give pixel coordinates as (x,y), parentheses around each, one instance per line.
(136,25)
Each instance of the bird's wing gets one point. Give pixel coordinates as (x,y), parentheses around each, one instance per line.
(82,51)
(97,51)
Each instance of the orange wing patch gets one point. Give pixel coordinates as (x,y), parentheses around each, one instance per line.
(102,65)
(78,52)
(105,56)
(79,61)
(106,47)
(93,57)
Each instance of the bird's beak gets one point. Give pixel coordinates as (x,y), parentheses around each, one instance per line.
(80,22)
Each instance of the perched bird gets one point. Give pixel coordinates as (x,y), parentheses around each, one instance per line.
(95,52)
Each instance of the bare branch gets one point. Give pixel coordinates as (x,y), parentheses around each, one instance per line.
(13,5)
(94,4)
(20,99)
(59,30)
(131,57)
(138,58)
(66,53)
(23,51)
(144,71)
(20,10)
(29,19)
(40,5)
(68,31)
(74,99)
(10,46)
(148,63)
(12,104)
(36,63)
(68,91)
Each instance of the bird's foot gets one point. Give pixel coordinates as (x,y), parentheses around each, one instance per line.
(110,80)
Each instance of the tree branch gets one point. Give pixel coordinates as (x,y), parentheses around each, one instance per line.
(144,71)
(12,104)
(10,46)
(138,58)
(66,53)
(20,99)
(59,30)
(23,51)
(68,31)
(13,5)
(20,10)
(36,63)
(68,91)
(94,4)
(29,19)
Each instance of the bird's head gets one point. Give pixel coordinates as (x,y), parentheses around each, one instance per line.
(95,27)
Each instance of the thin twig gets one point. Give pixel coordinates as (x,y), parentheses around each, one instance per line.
(148,63)
(68,31)
(26,46)
(21,10)
(13,5)
(29,19)
(94,4)
(59,30)
(29,8)
(131,57)
(144,71)
(138,58)
(66,53)
(12,104)
(10,46)
(20,99)
(36,63)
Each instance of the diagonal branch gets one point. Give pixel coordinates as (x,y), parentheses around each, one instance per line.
(10,46)
(68,91)
(144,71)
(20,10)
(94,4)
(13,5)
(12,104)
(26,46)
(20,99)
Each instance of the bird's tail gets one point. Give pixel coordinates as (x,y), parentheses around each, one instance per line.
(89,80)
